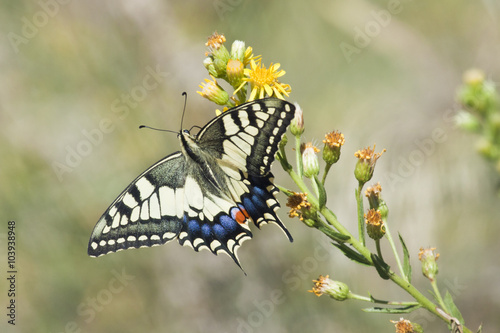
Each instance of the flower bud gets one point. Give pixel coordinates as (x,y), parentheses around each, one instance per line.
(373,193)
(297,123)
(333,142)
(213,92)
(429,265)
(466,121)
(310,160)
(366,164)
(234,71)
(209,65)
(221,57)
(218,53)
(238,50)
(374,224)
(477,93)
(335,289)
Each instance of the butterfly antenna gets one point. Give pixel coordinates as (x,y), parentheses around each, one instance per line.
(157,129)
(184,110)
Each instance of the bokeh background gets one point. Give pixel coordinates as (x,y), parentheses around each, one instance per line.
(67,68)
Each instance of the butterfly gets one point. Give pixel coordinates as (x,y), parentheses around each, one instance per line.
(204,195)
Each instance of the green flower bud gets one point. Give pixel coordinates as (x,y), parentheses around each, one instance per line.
(219,55)
(335,289)
(366,164)
(310,160)
(234,71)
(374,224)
(209,65)
(477,93)
(466,121)
(297,123)
(429,265)
(383,209)
(221,58)
(333,142)
(213,92)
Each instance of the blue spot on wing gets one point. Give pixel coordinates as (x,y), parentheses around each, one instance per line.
(206,232)
(228,223)
(251,209)
(220,232)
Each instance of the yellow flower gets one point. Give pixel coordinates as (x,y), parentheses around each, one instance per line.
(248,56)
(264,81)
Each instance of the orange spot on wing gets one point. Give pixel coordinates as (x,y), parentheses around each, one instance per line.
(241,216)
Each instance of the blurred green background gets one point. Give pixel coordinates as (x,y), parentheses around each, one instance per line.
(67,67)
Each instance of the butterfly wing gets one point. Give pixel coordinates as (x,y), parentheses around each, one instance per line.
(145,213)
(246,138)
(170,200)
(204,204)
(244,141)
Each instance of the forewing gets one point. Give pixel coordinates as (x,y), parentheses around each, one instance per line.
(246,137)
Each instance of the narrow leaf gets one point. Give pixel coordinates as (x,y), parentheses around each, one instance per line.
(382,268)
(406,260)
(450,305)
(336,236)
(352,254)
(405,309)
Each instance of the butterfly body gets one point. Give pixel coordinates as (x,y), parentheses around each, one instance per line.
(205,194)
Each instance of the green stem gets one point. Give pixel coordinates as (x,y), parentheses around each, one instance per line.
(361,219)
(379,251)
(325,173)
(332,220)
(438,295)
(417,295)
(284,189)
(394,250)
(298,155)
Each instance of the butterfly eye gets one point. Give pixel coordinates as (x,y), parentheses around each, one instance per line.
(185,131)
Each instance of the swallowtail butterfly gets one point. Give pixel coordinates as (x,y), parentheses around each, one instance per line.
(204,195)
